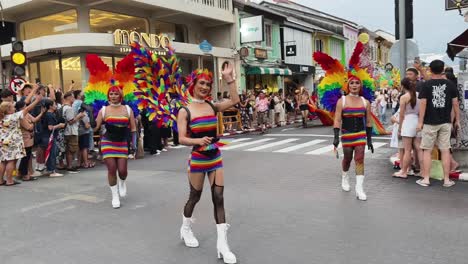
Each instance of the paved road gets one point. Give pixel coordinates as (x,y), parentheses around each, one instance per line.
(284,207)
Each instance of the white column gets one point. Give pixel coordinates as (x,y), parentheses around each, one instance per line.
(83,19)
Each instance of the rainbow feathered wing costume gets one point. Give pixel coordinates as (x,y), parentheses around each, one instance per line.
(101,79)
(335,82)
(157,78)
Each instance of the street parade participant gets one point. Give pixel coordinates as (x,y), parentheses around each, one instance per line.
(197,124)
(352,112)
(112,98)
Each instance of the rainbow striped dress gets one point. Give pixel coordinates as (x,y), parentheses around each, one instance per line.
(110,147)
(207,158)
(350,137)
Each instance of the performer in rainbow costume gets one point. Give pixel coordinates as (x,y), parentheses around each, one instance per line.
(198,128)
(112,97)
(352,114)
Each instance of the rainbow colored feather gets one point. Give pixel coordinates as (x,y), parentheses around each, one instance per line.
(101,79)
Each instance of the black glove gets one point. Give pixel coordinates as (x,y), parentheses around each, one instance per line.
(369,139)
(336,140)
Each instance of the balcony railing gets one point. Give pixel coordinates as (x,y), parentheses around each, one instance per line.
(223,4)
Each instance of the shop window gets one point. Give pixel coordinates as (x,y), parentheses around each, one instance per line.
(268,35)
(71,68)
(50,72)
(60,23)
(108,22)
(33,73)
(319,45)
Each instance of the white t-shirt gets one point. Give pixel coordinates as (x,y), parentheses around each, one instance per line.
(69,114)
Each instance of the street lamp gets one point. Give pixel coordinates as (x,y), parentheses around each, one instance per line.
(458,5)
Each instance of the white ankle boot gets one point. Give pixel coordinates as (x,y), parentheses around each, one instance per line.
(345,182)
(360,194)
(186,233)
(222,245)
(122,187)
(115,196)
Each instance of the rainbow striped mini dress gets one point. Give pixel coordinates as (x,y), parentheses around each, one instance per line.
(115,148)
(207,158)
(354,138)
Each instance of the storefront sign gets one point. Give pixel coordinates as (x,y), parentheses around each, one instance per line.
(291,50)
(244,52)
(205,46)
(251,29)
(152,41)
(261,53)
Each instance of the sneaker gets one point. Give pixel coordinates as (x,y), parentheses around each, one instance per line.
(164,149)
(131,156)
(158,152)
(55,174)
(73,170)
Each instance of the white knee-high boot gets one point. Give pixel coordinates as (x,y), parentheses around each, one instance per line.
(122,187)
(345,182)
(115,196)
(222,245)
(360,194)
(186,233)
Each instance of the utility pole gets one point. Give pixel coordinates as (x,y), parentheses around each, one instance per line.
(402,29)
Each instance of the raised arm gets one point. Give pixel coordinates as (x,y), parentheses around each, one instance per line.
(228,76)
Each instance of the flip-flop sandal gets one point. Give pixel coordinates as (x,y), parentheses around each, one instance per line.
(423,184)
(14,183)
(450,184)
(396,175)
(30,179)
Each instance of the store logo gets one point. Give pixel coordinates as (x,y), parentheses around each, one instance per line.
(153,41)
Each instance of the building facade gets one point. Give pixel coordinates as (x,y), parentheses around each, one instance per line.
(57,35)
(259,45)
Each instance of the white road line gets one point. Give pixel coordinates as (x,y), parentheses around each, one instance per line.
(299,146)
(314,135)
(229,147)
(238,140)
(376,145)
(274,144)
(328,148)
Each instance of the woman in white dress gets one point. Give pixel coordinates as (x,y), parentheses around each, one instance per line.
(409,114)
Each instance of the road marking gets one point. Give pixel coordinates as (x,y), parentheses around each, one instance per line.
(238,140)
(246,144)
(299,146)
(314,135)
(178,147)
(376,146)
(274,144)
(59,211)
(325,149)
(288,129)
(77,197)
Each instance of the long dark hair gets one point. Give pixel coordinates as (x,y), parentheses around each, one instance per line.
(410,86)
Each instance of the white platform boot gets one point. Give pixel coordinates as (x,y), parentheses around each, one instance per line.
(360,194)
(115,196)
(345,182)
(122,187)
(186,233)
(222,245)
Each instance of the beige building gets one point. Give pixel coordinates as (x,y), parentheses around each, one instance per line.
(58,34)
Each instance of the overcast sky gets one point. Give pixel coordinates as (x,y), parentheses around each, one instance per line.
(433,26)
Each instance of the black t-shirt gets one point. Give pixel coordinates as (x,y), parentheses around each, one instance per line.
(50,119)
(439,94)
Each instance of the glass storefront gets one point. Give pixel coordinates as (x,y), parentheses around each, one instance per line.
(60,23)
(108,22)
(71,68)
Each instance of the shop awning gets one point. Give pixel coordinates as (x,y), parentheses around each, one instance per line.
(269,71)
(457,45)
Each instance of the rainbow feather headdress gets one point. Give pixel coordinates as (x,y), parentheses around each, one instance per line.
(156,79)
(101,80)
(336,78)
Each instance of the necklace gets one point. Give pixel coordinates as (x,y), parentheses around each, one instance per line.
(354,95)
(195,100)
(115,105)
